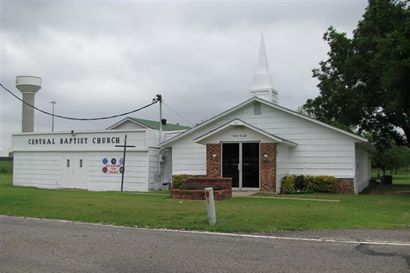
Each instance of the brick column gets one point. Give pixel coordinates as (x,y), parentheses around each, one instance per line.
(213,164)
(268,167)
(344,185)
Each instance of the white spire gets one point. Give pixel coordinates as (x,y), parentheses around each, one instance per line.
(262,81)
(262,66)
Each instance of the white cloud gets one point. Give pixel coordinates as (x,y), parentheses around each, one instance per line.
(103,58)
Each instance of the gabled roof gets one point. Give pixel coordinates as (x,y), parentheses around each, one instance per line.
(151,124)
(262,101)
(239,122)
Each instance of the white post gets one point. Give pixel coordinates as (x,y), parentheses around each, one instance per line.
(210,205)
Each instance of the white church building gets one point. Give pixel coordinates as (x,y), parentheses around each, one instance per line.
(257,142)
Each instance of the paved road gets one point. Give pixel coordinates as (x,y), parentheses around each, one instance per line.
(29,245)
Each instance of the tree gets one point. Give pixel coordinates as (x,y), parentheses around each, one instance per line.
(364,84)
(392,159)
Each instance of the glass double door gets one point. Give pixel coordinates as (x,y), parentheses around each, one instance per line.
(241,162)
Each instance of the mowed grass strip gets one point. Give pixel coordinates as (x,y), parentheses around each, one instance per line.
(402,177)
(233,215)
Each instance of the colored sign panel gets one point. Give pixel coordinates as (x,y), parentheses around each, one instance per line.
(112,166)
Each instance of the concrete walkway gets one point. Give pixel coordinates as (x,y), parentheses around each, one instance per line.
(243,193)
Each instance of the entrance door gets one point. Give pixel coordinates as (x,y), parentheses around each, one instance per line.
(250,165)
(74,171)
(230,163)
(241,162)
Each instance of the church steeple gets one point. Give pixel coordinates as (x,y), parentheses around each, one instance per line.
(262,81)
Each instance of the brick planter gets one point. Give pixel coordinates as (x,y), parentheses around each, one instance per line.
(193,188)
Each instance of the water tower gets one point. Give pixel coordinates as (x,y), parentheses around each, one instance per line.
(28,85)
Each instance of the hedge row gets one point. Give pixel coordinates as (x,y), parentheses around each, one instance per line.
(308,184)
(179,179)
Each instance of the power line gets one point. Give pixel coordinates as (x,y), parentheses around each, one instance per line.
(155,100)
(176,113)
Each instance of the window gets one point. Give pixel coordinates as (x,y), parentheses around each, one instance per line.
(68,163)
(81,163)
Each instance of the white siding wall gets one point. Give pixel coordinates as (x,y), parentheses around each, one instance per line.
(166,166)
(42,170)
(320,150)
(153,178)
(49,170)
(152,138)
(45,164)
(362,169)
(188,157)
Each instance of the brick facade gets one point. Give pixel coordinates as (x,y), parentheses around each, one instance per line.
(268,167)
(344,185)
(213,164)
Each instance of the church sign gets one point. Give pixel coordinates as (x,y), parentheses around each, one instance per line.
(73,140)
(79,141)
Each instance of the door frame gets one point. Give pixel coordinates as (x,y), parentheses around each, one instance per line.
(240,188)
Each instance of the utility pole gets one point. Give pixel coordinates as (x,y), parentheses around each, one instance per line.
(125,146)
(52,118)
(159,97)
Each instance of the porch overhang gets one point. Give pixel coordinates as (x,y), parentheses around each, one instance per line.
(238,130)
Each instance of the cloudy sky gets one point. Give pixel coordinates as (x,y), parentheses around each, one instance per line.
(99,58)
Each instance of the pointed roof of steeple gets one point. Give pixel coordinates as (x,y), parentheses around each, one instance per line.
(262,66)
(262,81)
(263,78)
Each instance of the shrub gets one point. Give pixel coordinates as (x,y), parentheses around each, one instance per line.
(288,184)
(321,183)
(308,183)
(179,179)
(328,184)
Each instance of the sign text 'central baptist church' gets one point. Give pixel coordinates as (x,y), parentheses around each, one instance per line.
(73,140)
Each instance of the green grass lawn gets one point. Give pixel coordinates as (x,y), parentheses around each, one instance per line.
(244,214)
(402,177)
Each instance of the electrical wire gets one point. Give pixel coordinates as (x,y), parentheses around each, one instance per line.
(176,113)
(155,100)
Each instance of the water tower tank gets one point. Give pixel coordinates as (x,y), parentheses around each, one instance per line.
(28,86)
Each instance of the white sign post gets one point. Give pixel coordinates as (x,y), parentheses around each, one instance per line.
(210,205)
